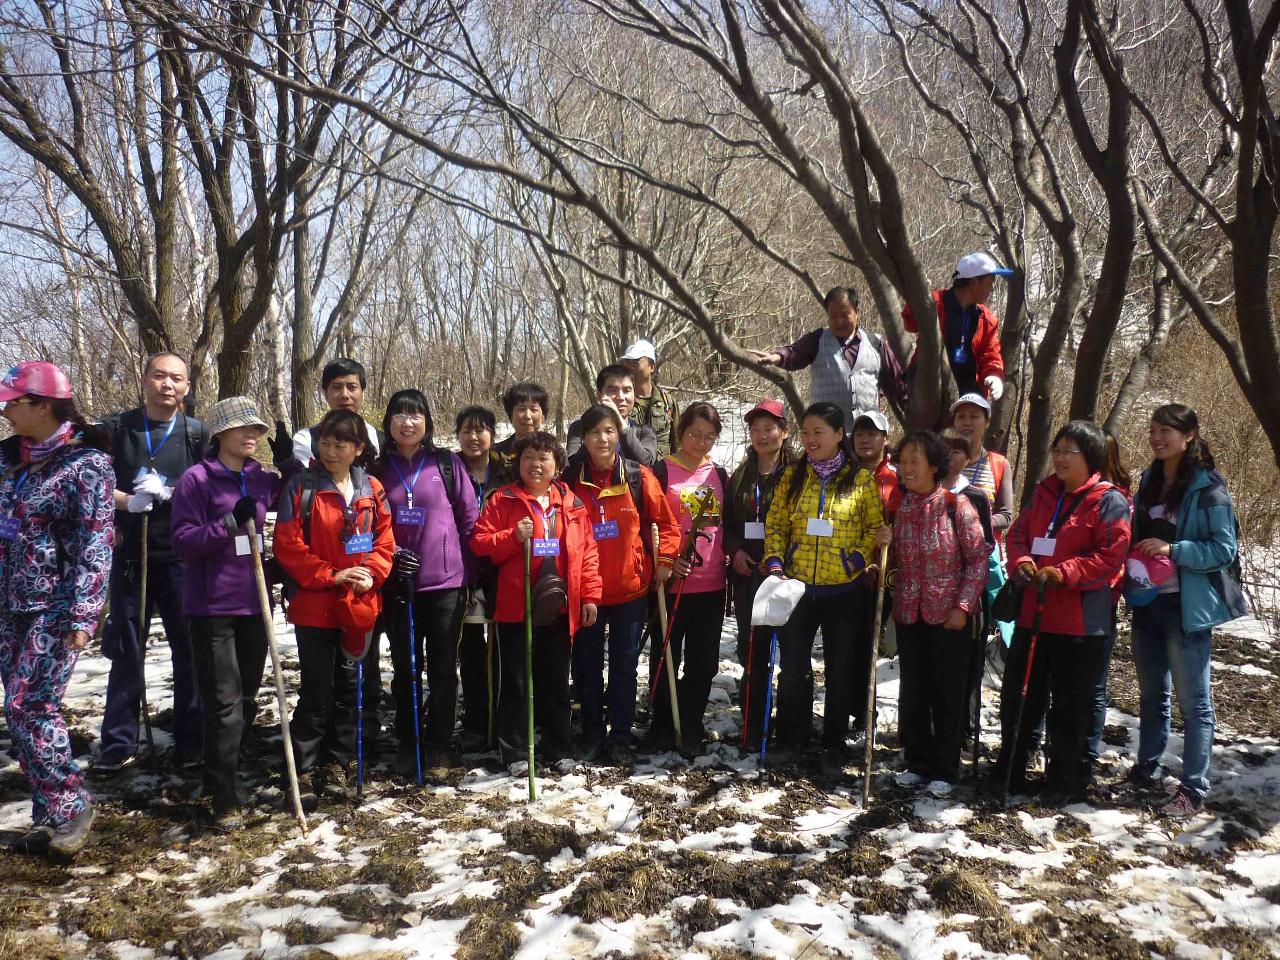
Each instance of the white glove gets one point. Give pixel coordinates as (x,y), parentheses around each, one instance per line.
(995,386)
(152,484)
(139,502)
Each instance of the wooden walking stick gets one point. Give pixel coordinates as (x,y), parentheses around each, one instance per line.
(144,626)
(666,646)
(871,680)
(264,600)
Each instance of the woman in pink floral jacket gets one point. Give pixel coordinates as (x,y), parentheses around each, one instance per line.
(942,569)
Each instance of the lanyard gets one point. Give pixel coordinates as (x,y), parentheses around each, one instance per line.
(1054,522)
(411,485)
(168,432)
(593,491)
(548,520)
(237,475)
(822,496)
(17,488)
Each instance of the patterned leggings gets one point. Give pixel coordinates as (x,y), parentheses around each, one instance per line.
(35,665)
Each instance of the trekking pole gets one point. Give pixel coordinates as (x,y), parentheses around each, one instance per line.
(489,629)
(264,600)
(528,658)
(359,731)
(1022,700)
(746,700)
(415,687)
(768,693)
(666,646)
(871,678)
(144,624)
(979,644)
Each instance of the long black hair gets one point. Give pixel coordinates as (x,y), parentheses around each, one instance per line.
(406,401)
(1197,456)
(833,416)
(91,434)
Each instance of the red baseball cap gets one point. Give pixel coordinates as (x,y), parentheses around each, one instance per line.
(773,408)
(34,378)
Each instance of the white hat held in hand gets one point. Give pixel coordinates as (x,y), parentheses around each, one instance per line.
(775,601)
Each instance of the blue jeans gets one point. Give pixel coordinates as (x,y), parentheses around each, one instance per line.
(625,622)
(1161,651)
(1098,721)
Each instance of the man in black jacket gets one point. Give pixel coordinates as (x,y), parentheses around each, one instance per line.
(152,446)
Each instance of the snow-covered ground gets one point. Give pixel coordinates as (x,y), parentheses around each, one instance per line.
(715,859)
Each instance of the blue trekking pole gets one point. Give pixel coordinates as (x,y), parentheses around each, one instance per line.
(417,692)
(768,692)
(359,731)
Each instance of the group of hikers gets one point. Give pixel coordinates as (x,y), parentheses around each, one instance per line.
(630,530)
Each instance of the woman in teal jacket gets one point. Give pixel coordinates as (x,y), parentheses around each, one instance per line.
(1183,513)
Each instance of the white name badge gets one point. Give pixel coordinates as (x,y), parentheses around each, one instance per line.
(753,530)
(242,545)
(819,527)
(1044,546)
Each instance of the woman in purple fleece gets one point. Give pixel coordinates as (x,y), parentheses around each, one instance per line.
(433,510)
(213,502)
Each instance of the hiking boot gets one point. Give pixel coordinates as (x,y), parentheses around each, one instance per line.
(406,762)
(833,762)
(1184,805)
(441,758)
(1142,780)
(109,763)
(940,789)
(619,754)
(909,779)
(333,781)
(307,792)
(69,837)
(474,742)
(34,842)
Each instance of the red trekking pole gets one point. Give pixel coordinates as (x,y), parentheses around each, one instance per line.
(1026,683)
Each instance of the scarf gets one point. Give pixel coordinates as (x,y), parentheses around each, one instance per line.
(826,469)
(34,452)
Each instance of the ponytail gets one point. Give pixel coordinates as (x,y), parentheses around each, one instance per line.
(91,434)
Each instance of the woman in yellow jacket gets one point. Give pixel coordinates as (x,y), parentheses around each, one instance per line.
(821,530)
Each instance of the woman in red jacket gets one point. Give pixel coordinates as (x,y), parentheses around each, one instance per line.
(622,530)
(540,508)
(1068,546)
(333,539)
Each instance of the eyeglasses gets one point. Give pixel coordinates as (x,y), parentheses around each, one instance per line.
(408,418)
(697,437)
(1060,452)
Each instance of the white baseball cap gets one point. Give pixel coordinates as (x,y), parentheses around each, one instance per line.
(979,264)
(641,350)
(874,417)
(976,399)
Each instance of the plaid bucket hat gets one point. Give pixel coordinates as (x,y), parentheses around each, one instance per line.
(234,412)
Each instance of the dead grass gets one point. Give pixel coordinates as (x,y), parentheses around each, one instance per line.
(542,841)
(622,884)
(488,937)
(957,892)
(403,875)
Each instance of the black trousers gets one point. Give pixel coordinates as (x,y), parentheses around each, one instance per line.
(695,642)
(373,692)
(844,643)
(934,664)
(437,623)
(230,655)
(551,706)
(323,726)
(1064,676)
(473,666)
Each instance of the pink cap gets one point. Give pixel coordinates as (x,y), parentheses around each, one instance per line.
(772,407)
(35,378)
(1149,571)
